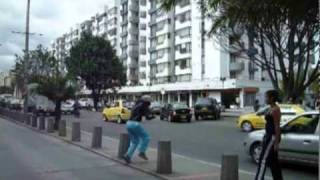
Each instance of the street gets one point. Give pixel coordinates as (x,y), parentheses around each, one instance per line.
(203,140)
(29,155)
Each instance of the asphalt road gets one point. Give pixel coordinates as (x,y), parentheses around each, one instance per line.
(204,140)
(28,155)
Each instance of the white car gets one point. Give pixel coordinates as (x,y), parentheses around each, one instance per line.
(299,140)
(67,107)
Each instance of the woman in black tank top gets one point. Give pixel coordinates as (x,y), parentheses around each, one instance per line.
(271,140)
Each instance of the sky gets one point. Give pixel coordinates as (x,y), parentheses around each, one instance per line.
(52,18)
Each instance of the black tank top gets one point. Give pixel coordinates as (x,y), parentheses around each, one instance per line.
(270,123)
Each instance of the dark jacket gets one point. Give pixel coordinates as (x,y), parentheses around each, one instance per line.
(141,108)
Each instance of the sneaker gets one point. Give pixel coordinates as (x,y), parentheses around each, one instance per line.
(143,156)
(127,159)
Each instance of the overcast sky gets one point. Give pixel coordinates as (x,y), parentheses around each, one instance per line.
(49,17)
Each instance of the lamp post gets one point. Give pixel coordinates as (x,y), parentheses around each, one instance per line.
(25,109)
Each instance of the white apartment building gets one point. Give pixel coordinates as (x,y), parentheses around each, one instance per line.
(104,24)
(168,56)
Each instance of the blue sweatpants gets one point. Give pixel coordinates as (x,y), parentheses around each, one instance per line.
(138,137)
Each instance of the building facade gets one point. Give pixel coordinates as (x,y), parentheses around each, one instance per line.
(168,55)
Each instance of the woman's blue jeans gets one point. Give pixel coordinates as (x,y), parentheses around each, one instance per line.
(138,137)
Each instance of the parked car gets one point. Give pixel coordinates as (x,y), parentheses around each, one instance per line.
(40,105)
(251,121)
(15,103)
(117,113)
(299,140)
(155,107)
(176,112)
(207,107)
(67,107)
(85,103)
(4,99)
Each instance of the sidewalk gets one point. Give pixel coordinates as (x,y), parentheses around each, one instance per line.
(29,155)
(183,167)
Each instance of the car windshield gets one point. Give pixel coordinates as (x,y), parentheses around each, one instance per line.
(205,101)
(180,106)
(263,110)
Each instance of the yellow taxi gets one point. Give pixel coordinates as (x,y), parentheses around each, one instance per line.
(117,112)
(249,122)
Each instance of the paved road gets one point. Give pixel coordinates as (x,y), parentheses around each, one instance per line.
(204,140)
(28,155)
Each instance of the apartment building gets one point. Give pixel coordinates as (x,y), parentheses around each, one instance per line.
(168,55)
(105,24)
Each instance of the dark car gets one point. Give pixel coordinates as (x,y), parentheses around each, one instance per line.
(155,107)
(207,108)
(175,112)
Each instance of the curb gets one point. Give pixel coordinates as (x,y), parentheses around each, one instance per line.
(92,150)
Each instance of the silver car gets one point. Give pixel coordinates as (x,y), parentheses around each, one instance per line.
(299,140)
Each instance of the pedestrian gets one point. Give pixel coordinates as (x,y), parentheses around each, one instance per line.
(76,107)
(256,105)
(271,139)
(137,134)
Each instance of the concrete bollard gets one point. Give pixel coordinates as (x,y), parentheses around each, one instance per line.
(42,123)
(50,123)
(124,143)
(164,161)
(96,137)
(229,167)
(63,128)
(76,132)
(34,122)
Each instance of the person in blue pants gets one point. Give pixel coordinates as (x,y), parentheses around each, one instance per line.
(137,134)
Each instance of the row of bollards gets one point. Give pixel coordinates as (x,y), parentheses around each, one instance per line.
(229,168)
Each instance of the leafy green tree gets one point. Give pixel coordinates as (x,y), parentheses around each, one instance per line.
(44,70)
(94,61)
(279,36)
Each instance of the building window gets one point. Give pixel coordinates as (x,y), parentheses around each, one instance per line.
(161,39)
(183,3)
(143,14)
(184,17)
(161,67)
(184,78)
(184,33)
(183,63)
(184,48)
(143,2)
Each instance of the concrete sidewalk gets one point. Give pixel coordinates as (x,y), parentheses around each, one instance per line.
(29,155)
(183,167)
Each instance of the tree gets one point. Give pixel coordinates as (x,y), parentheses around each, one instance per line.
(94,60)
(44,70)
(279,36)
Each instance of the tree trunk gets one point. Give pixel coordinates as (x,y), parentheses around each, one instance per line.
(95,97)
(57,114)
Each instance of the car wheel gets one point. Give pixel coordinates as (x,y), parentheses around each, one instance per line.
(119,120)
(246,126)
(255,152)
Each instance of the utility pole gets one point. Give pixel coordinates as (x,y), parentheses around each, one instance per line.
(26,64)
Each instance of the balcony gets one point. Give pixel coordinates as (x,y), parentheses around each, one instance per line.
(134,7)
(143,51)
(133,65)
(153,10)
(134,19)
(133,77)
(125,33)
(133,42)
(124,56)
(123,45)
(124,22)
(123,1)
(134,53)
(134,31)
(152,62)
(151,49)
(236,66)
